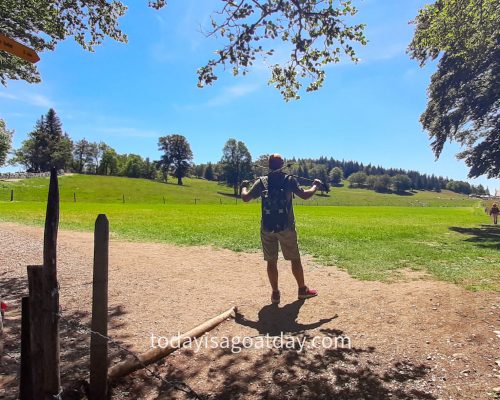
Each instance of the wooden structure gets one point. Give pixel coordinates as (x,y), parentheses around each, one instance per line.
(40,358)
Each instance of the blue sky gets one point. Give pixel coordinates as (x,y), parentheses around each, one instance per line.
(128,95)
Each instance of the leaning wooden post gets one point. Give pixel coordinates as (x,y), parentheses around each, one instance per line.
(25,379)
(50,332)
(98,344)
(12,195)
(35,285)
(157,353)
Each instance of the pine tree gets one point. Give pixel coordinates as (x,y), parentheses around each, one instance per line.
(46,147)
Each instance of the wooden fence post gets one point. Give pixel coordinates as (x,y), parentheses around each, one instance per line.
(74,197)
(163,199)
(50,332)
(26,378)
(98,344)
(35,284)
(123,198)
(12,195)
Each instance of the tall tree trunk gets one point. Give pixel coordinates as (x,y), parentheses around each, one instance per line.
(179,180)
(235,187)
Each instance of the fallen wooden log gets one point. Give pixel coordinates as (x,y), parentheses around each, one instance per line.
(133,364)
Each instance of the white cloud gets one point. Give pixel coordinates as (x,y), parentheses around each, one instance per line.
(34,99)
(39,100)
(9,96)
(231,93)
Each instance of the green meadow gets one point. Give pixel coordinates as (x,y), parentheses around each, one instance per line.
(372,236)
(108,189)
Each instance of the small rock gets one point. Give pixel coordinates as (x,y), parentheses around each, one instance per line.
(496,389)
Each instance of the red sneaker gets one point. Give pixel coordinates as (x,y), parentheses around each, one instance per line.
(306,293)
(275,297)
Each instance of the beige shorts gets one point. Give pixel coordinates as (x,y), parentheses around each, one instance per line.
(287,241)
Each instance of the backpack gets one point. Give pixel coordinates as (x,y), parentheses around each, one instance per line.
(274,205)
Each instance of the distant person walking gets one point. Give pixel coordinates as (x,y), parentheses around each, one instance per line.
(494,211)
(278,222)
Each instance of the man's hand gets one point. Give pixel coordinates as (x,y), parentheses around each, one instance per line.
(245,194)
(317,183)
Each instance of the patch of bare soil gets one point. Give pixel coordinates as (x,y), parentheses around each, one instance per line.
(411,339)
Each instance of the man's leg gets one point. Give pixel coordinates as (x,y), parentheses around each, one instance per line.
(272,273)
(290,248)
(270,248)
(298,272)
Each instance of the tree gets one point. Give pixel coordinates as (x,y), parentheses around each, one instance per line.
(357,179)
(237,163)
(47,146)
(134,167)
(261,165)
(5,142)
(335,176)
(317,33)
(480,190)
(150,171)
(82,154)
(41,24)
(401,183)
(97,152)
(209,172)
(370,181)
(176,153)
(463,93)
(199,170)
(382,183)
(459,187)
(109,163)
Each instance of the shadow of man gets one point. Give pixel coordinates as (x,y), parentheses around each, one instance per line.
(273,320)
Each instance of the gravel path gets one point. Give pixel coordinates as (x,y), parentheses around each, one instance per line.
(414,339)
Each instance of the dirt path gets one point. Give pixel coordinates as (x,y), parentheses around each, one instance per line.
(415,339)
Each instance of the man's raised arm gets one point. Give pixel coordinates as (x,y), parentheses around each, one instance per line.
(308,193)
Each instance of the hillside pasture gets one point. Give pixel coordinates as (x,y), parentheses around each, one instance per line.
(110,189)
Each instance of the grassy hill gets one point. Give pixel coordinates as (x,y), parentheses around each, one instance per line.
(109,189)
(443,234)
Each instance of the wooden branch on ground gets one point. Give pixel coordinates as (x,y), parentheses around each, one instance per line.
(133,364)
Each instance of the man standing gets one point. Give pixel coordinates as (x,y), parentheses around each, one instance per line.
(278,222)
